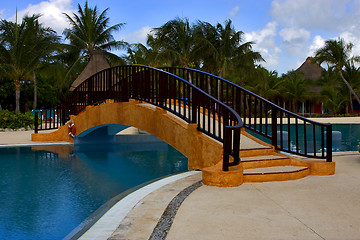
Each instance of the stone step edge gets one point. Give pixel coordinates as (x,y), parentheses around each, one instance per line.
(274,162)
(253,152)
(276,176)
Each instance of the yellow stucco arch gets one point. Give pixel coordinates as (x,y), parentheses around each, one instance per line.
(201,150)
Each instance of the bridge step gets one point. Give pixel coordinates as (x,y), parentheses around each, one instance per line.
(265,163)
(270,161)
(259,168)
(255,152)
(271,174)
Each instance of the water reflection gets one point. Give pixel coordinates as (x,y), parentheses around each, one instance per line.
(47,191)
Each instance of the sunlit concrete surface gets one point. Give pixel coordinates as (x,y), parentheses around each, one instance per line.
(316,207)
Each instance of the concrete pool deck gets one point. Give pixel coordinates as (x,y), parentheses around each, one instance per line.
(326,207)
(22,138)
(315,207)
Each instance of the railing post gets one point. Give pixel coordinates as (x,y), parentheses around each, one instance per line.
(329,143)
(162,83)
(146,82)
(274,126)
(36,123)
(63,116)
(194,105)
(227,148)
(236,146)
(134,83)
(124,88)
(109,83)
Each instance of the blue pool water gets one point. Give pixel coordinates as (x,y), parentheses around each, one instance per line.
(346,137)
(45,195)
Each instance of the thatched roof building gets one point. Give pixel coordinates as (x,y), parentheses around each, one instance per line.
(311,71)
(97,63)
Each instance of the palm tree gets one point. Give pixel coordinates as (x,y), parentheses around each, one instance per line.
(45,43)
(222,49)
(337,54)
(206,39)
(294,89)
(352,73)
(267,84)
(22,48)
(333,99)
(140,54)
(175,42)
(90,31)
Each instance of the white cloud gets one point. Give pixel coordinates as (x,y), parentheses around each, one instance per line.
(317,43)
(294,39)
(320,14)
(354,39)
(139,36)
(294,35)
(318,20)
(1,12)
(235,11)
(265,44)
(51,11)
(265,36)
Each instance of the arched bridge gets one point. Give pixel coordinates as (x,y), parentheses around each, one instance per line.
(176,104)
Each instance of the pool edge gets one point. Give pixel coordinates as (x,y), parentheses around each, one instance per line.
(105,220)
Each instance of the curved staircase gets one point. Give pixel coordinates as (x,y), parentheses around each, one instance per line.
(261,163)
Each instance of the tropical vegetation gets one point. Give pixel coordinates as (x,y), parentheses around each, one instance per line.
(16,120)
(90,31)
(37,66)
(23,47)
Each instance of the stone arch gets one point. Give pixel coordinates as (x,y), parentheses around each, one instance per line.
(201,150)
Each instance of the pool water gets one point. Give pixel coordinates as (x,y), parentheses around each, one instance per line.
(45,195)
(345,137)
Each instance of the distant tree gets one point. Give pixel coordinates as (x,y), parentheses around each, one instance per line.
(294,89)
(45,43)
(352,73)
(222,49)
(90,31)
(140,54)
(175,43)
(267,84)
(333,99)
(337,54)
(22,48)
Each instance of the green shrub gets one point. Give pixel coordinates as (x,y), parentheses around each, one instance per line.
(16,120)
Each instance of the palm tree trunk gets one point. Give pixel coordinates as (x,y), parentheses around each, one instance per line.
(294,109)
(35,91)
(303,108)
(351,103)
(17,97)
(350,88)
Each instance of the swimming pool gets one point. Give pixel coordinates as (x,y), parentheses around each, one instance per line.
(45,195)
(346,137)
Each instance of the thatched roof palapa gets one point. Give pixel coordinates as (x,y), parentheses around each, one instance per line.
(313,72)
(96,64)
(310,70)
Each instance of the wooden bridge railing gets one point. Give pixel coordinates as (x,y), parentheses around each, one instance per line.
(162,89)
(286,131)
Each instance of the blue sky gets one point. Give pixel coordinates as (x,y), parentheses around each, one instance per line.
(285,32)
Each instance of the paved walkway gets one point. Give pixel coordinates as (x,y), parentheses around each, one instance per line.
(316,207)
(20,138)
